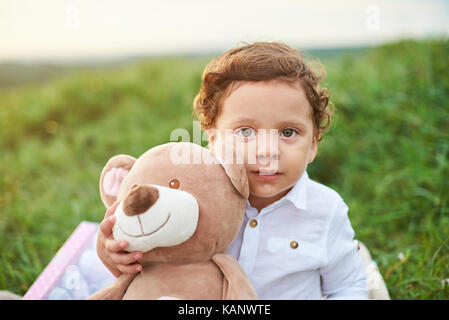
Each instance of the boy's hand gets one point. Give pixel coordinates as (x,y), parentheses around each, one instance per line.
(111,251)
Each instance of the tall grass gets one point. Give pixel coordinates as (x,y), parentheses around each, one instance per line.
(387,154)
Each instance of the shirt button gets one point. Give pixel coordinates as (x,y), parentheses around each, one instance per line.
(253,223)
(294,244)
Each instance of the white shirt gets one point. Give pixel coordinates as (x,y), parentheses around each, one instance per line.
(325,262)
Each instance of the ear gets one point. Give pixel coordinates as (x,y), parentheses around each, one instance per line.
(236,285)
(112,176)
(211,137)
(313,150)
(231,158)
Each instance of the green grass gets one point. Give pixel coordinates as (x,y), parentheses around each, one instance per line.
(387,154)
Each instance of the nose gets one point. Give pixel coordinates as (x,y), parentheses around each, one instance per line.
(140,199)
(264,156)
(267,145)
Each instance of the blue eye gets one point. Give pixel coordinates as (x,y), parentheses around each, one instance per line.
(246,132)
(288,133)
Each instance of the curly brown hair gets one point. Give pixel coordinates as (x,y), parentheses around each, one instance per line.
(261,61)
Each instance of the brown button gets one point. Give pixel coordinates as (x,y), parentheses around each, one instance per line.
(294,244)
(174,184)
(253,223)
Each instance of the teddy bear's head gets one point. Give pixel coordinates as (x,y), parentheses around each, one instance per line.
(177,202)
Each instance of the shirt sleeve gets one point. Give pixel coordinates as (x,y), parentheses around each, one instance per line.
(343,276)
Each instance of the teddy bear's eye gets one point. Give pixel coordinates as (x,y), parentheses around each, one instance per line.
(174,184)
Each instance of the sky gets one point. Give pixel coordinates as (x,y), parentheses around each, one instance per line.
(103,29)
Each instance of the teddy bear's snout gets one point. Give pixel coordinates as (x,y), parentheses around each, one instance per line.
(140,199)
(151,216)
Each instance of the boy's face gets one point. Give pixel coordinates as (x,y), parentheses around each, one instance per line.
(272,120)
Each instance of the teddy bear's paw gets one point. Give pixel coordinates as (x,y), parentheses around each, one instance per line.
(167,298)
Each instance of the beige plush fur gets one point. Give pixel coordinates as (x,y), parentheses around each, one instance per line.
(198,268)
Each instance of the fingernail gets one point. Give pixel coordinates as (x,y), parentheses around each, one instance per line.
(123,244)
(137,256)
(139,268)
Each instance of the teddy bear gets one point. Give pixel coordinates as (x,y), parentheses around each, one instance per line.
(182,206)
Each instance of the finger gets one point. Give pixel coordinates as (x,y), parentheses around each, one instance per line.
(130,269)
(106,226)
(115,245)
(126,258)
(110,211)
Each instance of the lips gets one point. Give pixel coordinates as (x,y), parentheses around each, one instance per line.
(266,175)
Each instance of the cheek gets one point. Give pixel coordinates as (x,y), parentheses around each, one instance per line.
(294,153)
(250,152)
(246,150)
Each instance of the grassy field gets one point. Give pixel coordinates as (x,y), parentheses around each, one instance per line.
(387,154)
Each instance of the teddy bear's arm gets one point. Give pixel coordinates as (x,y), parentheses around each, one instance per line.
(236,285)
(115,291)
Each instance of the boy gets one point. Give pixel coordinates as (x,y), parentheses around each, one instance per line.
(296,241)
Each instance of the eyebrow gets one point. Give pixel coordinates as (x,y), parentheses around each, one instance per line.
(293,123)
(243,119)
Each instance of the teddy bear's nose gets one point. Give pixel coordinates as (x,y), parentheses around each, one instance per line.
(140,199)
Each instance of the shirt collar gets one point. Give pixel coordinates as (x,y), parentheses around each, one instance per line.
(297,195)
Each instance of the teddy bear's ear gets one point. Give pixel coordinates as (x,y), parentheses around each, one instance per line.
(112,176)
(238,177)
(231,159)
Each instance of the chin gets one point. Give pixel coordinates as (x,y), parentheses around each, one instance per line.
(265,191)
